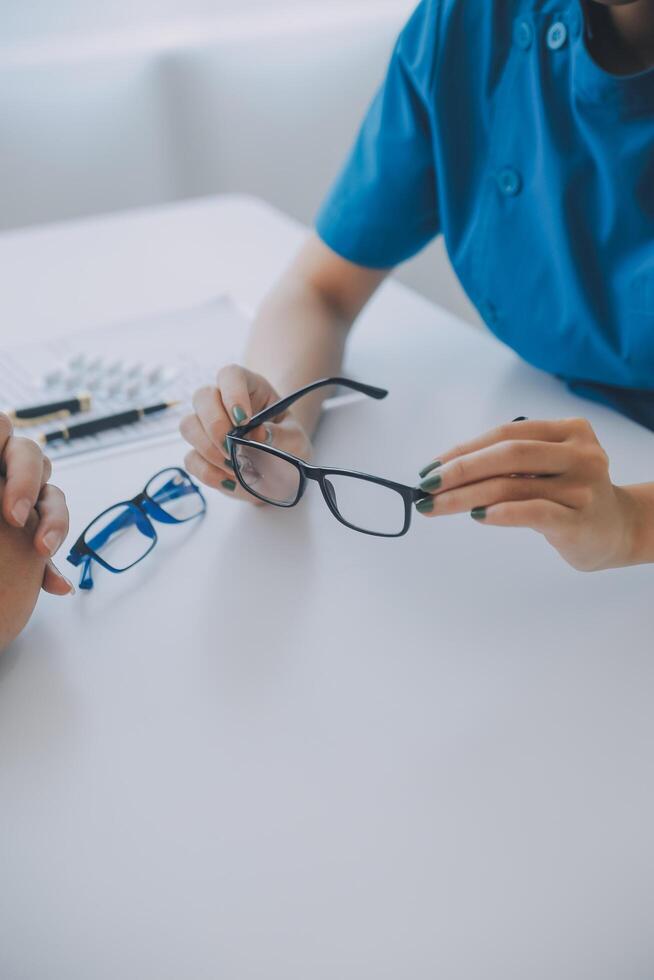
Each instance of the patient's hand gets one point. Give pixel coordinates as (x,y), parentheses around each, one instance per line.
(33,525)
(21,576)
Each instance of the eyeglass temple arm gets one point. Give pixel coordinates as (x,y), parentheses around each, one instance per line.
(86,578)
(280,406)
(419,494)
(172,490)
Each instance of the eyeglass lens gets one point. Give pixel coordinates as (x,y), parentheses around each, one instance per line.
(365,505)
(267,475)
(121,537)
(175,494)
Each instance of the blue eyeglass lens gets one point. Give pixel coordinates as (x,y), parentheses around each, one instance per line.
(120,537)
(174,492)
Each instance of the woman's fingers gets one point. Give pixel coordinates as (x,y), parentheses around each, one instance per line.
(264,433)
(55,583)
(545,516)
(238,396)
(53,521)
(211,413)
(244,393)
(500,459)
(195,434)
(216,477)
(556,430)
(25,467)
(206,472)
(498,490)
(551,477)
(236,386)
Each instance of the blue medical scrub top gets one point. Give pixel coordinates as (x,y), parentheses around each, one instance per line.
(496,127)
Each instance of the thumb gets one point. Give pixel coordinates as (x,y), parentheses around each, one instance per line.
(55,583)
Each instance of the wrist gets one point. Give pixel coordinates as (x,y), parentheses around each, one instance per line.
(637,503)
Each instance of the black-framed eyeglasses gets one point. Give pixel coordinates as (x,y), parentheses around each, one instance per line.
(123,534)
(366,503)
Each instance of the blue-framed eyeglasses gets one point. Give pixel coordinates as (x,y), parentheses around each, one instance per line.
(123,535)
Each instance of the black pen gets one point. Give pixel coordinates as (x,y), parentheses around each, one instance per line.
(50,411)
(94,426)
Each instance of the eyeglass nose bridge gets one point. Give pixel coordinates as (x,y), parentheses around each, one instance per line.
(145,507)
(321,477)
(329,494)
(311,473)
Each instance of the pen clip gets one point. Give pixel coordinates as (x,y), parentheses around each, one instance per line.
(21,423)
(24,418)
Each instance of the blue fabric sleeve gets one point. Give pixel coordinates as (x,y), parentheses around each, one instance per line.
(383,208)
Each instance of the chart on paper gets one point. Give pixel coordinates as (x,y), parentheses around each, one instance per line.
(124,365)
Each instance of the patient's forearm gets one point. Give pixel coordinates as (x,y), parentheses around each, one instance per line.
(21,575)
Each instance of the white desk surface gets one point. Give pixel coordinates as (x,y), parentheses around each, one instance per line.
(290,751)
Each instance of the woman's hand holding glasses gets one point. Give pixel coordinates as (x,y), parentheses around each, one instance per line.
(363,502)
(551,476)
(238,395)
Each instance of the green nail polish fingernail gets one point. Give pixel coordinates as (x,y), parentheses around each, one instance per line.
(238,414)
(432,482)
(229,464)
(431,466)
(425,506)
(479,513)
(229,485)
(225,447)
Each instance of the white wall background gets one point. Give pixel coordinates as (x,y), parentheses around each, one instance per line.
(29,20)
(105,106)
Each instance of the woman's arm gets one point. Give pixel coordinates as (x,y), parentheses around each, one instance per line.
(300,331)
(297,337)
